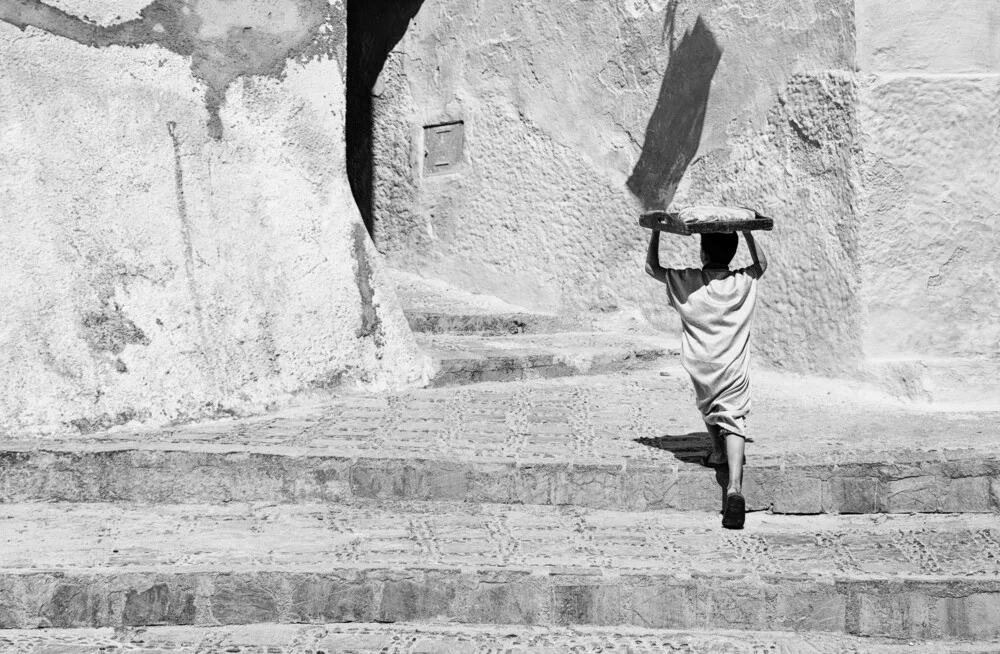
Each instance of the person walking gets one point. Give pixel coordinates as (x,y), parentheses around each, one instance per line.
(716,307)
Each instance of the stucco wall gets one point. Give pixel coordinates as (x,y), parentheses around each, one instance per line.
(178,236)
(578,115)
(928,36)
(929,160)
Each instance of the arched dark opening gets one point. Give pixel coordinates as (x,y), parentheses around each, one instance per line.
(374,27)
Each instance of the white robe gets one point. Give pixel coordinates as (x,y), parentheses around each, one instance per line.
(716,308)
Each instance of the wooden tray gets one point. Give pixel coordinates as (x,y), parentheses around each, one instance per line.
(671,222)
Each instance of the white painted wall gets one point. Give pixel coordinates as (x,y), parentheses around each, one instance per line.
(151,277)
(929,162)
(558,99)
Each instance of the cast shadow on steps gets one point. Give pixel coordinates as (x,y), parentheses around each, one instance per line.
(689,448)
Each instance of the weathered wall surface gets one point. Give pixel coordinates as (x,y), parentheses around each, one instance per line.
(178,235)
(928,36)
(578,115)
(929,161)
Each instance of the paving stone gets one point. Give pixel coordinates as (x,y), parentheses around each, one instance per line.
(591,486)
(964,494)
(319,599)
(241,599)
(581,603)
(74,605)
(408,479)
(518,600)
(426,598)
(159,604)
(491,483)
(974,616)
(912,576)
(660,604)
(845,494)
(785,493)
(727,603)
(650,488)
(812,611)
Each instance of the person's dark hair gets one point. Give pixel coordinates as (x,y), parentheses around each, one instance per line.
(720,249)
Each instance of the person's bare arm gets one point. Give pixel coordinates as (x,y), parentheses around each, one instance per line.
(653,267)
(757,255)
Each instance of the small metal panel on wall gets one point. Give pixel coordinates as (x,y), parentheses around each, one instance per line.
(443,148)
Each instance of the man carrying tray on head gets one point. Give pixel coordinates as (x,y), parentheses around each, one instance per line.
(716,307)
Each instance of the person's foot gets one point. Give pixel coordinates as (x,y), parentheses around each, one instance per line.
(714,460)
(734,513)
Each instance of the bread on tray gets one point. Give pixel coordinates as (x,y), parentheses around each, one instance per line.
(706,219)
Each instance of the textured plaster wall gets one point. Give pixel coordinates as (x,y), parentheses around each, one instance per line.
(928,36)
(580,114)
(929,161)
(178,235)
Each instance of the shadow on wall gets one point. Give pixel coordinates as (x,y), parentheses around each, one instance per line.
(674,130)
(374,27)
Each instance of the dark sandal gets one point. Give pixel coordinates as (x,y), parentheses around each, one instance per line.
(734,513)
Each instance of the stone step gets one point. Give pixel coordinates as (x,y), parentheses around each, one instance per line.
(629,441)
(109,565)
(474,359)
(158,473)
(436,307)
(372,638)
(487,324)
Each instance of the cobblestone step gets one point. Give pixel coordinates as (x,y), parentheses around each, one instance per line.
(487,324)
(456,639)
(629,441)
(474,359)
(900,577)
(178,473)
(436,307)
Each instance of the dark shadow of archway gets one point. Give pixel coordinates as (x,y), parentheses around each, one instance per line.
(374,27)
(674,130)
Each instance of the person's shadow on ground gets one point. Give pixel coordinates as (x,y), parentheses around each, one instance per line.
(689,448)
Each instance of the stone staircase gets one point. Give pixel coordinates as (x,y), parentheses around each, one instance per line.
(453,639)
(552,509)
(478,338)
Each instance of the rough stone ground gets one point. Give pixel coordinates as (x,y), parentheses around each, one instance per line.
(108,565)
(543,502)
(434,306)
(468,359)
(472,337)
(620,441)
(589,418)
(547,540)
(445,639)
